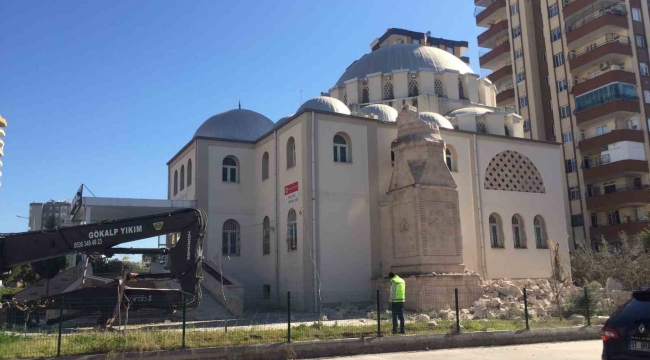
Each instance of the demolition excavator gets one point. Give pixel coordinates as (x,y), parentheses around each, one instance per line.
(102,238)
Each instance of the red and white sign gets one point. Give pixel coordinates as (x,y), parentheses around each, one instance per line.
(291,193)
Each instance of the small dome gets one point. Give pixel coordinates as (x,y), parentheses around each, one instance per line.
(383,112)
(325,103)
(470,111)
(437,119)
(404,56)
(284,118)
(237,124)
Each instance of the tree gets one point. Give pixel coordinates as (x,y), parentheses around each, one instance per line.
(21,273)
(50,268)
(559,276)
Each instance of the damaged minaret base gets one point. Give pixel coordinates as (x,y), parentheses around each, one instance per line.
(423,201)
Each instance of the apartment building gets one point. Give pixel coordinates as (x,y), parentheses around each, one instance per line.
(577,71)
(40,212)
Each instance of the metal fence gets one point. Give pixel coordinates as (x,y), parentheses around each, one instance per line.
(290,318)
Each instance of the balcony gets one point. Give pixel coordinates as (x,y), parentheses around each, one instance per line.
(611,231)
(608,49)
(583,28)
(506,96)
(495,58)
(490,37)
(483,3)
(504,72)
(490,14)
(573,6)
(604,169)
(610,138)
(598,80)
(613,106)
(630,195)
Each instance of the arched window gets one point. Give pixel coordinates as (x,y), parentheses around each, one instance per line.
(292,230)
(388,91)
(414,90)
(182,177)
(189,172)
(461,90)
(175,182)
(507,132)
(540,233)
(229,170)
(265,166)
(365,95)
(340,149)
(518,232)
(481,128)
(496,237)
(393,145)
(291,153)
(266,236)
(230,238)
(345,98)
(449,159)
(440,90)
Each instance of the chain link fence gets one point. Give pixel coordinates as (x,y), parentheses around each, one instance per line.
(148,324)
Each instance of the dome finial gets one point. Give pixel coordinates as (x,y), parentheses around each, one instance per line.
(239,104)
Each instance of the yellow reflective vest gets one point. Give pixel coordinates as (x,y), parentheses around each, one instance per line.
(400,289)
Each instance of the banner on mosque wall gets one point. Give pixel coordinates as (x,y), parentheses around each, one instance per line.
(291,193)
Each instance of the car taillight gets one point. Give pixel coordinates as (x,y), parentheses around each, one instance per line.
(608,333)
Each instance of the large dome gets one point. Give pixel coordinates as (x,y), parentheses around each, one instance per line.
(437,119)
(237,124)
(383,112)
(325,103)
(404,56)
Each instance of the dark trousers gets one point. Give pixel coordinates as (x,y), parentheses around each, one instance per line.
(398,313)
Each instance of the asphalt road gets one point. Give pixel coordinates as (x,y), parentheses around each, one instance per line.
(580,350)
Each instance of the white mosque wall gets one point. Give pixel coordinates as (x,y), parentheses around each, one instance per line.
(343,207)
(530,262)
(189,192)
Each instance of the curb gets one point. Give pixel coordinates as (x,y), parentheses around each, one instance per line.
(348,347)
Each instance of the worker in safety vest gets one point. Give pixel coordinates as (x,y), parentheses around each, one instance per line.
(397,299)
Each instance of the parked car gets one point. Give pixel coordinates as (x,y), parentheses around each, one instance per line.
(626,335)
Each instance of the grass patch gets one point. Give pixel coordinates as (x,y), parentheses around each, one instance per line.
(16,345)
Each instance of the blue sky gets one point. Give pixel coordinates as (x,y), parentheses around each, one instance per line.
(106,92)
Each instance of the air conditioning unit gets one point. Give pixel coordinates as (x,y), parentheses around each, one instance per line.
(615,67)
(603,65)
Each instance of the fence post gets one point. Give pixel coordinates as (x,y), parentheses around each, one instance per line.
(378,315)
(58,346)
(526,309)
(457,312)
(587,306)
(184,317)
(288,316)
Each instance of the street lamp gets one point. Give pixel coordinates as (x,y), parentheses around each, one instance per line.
(30,225)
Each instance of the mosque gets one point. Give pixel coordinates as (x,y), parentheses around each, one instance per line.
(308,199)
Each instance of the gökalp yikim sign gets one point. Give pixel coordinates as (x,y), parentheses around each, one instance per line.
(291,193)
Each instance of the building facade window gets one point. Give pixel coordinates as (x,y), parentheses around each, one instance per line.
(365,95)
(614,91)
(519,53)
(644,69)
(552,10)
(521,77)
(292,230)
(570,165)
(266,292)
(189,172)
(556,34)
(481,128)
(561,85)
(229,170)
(636,14)
(577,220)
(567,137)
(514,9)
(291,153)
(449,159)
(523,101)
(526,125)
(565,111)
(340,149)
(574,193)
(516,32)
(265,166)
(345,98)
(540,232)
(266,236)
(518,232)
(388,91)
(496,239)
(646,96)
(182,177)
(440,90)
(640,41)
(414,90)
(175,182)
(558,59)
(230,239)
(461,89)
(601,130)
